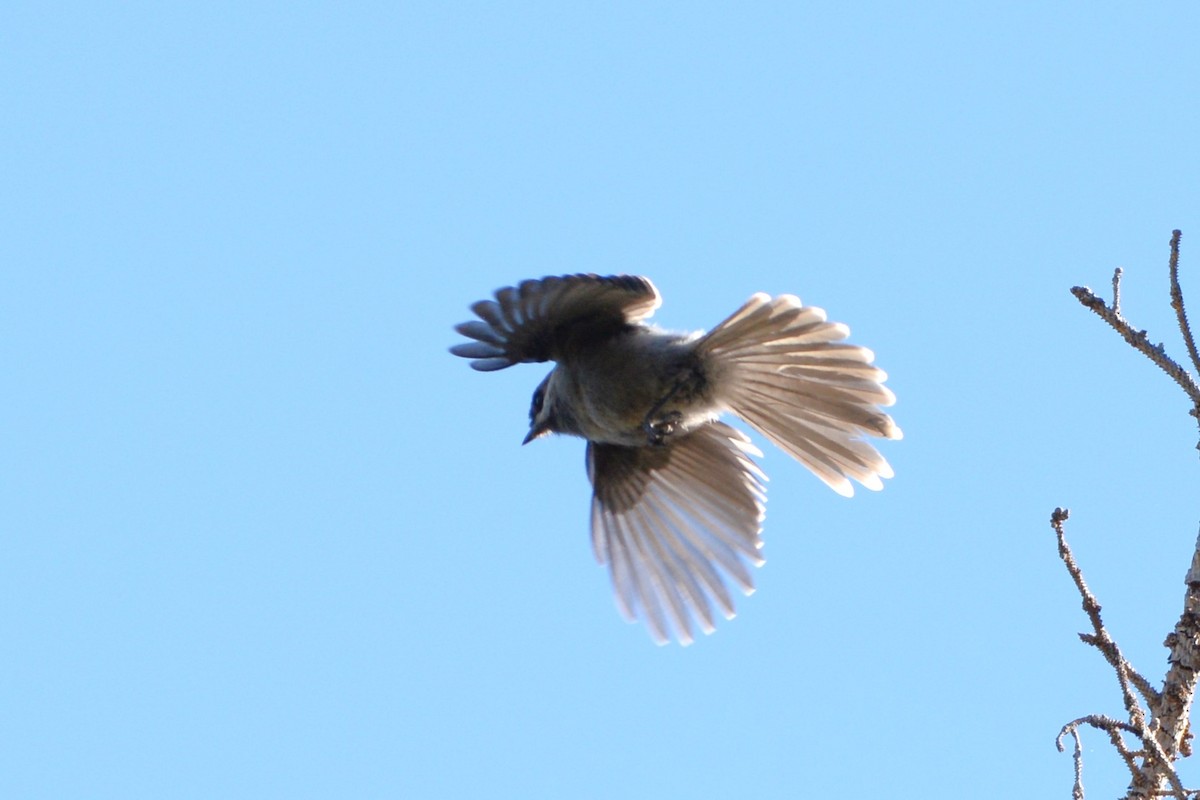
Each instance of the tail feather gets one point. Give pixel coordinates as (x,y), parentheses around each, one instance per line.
(855,403)
(782,367)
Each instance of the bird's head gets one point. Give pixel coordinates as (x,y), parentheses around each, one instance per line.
(542,419)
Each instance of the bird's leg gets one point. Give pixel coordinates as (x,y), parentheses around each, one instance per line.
(690,386)
(657,427)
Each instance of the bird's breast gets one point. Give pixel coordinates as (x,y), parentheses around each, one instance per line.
(617,386)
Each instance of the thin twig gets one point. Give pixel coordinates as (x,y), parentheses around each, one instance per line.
(1100,638)
(1177,301)
(1113,656)
(1139,341)
(1116,305)
(1113,728)
(1077,756)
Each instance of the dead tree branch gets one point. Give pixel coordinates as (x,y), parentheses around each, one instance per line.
(1177,302)
(1138,338)
(1161,727)
(1101,640)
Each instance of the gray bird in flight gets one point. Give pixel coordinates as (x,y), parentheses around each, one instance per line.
(678,501)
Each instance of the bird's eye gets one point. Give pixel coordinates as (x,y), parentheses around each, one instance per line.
(539,398)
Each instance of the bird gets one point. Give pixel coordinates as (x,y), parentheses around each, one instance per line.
(678,500)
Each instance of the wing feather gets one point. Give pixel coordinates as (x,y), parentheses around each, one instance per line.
(537,320)
(670,522)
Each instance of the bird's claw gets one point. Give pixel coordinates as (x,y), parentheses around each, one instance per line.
(657,430)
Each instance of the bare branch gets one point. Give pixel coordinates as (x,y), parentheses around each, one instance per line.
(1160,744)
(1113,657)
(1116,304)
(1077,757)
(1163,728)
(1113,728)
(1139,341)
(1100,639)
(1177,301)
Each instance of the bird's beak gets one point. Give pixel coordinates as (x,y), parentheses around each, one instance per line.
(536,431)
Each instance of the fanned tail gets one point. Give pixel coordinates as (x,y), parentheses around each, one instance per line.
(784,369)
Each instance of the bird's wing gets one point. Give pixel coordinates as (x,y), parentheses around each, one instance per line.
(537,319)
(670,521)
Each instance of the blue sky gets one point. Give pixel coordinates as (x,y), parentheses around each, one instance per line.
(262,536)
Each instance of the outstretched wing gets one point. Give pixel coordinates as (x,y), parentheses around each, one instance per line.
(669,521)
(538,320)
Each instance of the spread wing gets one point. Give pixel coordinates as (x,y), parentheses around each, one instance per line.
(537,320)
(669,521)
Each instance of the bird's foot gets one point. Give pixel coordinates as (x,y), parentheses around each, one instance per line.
(657,430)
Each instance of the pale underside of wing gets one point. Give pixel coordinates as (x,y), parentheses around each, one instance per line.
(672,522)
(536,319)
